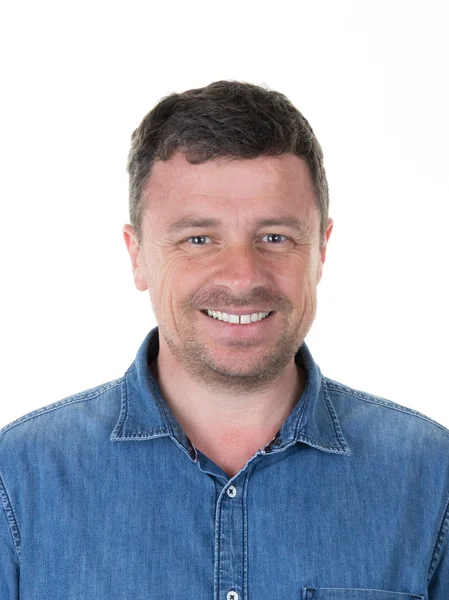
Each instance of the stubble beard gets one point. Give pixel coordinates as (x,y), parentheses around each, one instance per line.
(221,374)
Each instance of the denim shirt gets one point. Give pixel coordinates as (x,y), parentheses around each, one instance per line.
(103,497)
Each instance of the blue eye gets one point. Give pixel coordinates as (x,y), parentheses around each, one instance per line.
(276,237)
(198,240)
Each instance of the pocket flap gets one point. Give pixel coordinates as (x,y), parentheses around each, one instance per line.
(310,593)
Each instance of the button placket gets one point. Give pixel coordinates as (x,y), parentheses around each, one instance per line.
(230,560)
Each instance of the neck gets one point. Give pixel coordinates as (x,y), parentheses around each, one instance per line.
(225,425)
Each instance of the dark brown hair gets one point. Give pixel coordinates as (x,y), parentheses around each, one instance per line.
(225,118)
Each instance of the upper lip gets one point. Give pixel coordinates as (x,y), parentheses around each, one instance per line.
(239,311)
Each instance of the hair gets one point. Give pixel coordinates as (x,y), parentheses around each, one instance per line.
(224,119)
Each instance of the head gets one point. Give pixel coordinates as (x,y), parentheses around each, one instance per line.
(223,119)
(229,211)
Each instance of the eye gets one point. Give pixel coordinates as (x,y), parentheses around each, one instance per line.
(198,240)
(275,237)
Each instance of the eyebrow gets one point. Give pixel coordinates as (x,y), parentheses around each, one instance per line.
(203,222)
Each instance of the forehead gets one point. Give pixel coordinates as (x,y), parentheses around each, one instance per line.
(271,182)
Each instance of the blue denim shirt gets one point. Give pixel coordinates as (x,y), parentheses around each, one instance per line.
(103,497)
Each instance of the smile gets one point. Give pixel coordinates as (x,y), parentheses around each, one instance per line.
(237,319)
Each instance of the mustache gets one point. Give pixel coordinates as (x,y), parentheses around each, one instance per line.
(259,296)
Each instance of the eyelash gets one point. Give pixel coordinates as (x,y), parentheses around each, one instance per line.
(206,236)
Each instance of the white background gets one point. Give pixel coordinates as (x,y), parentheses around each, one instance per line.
(77,78)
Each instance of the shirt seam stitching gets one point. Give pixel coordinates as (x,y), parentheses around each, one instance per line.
(317,444)
(385,403)
(61,403)
(165,417)
(301,418)
(245,487)
(440,541)
(124,408)
(338,433)
(11,517)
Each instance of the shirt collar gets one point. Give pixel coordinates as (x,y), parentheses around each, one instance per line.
(144,414)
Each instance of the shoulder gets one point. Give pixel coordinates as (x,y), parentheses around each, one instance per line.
(66,415)
(389,421)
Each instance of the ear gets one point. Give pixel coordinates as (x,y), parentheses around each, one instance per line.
(135,253)
(323,248)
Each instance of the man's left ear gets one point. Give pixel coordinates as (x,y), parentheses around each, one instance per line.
(323,248)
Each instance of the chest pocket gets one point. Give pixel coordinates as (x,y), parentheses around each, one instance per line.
(309,593)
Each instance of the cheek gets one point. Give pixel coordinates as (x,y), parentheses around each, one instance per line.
(169,281)
(304,266)
(303,283)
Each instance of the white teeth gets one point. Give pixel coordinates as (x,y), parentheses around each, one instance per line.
(237,319)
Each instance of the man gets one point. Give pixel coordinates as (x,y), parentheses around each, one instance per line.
(223,464)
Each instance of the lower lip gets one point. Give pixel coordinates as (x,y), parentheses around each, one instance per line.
(239,329)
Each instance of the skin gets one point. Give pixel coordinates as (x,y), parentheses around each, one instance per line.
(230,382)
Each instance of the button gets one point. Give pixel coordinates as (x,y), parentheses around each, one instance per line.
(232,493)
(232,596)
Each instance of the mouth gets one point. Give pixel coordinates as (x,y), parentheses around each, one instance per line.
(248,318)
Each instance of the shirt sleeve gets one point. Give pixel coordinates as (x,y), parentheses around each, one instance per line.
(9,560)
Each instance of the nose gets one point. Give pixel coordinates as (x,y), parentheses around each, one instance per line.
(240,269)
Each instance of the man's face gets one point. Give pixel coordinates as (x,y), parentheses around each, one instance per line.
(239,237)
